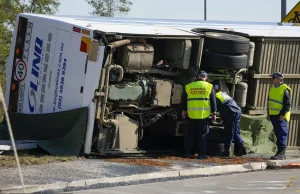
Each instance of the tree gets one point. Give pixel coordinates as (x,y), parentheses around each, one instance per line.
(110,8)
(8,12)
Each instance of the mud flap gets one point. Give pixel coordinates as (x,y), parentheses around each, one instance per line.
(60,133)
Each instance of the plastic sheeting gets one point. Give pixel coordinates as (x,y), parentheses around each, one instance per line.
(59,133)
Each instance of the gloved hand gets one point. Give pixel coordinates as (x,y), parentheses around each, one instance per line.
(183,114)
(281,118)
(213,117)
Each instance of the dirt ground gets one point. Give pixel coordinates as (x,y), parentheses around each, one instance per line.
(164,160)
(37,157)
(135,161)
(221,161)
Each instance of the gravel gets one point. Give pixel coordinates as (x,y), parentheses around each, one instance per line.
(85,169)
(72,171)
(92,169)
(96,168)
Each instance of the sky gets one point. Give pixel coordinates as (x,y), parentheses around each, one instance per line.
(225,10)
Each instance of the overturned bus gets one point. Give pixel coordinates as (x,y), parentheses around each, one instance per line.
(82,85)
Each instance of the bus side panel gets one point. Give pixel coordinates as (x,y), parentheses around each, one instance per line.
(21,63)
(47,68)
(93,74)
(68,74)
(38,55)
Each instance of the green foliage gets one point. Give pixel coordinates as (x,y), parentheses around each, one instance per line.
(110,8)
(42,6)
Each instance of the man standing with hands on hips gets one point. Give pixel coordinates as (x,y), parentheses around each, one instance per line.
(199,101)
(279,103)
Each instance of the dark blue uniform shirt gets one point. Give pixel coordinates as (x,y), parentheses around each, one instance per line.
(229,108)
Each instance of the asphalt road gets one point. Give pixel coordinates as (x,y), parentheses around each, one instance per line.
(265,182)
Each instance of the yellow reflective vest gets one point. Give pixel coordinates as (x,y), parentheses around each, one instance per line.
(223,97)
(275,101)
(198,102)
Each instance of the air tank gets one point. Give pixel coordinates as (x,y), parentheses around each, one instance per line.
(240,94)
(251,54)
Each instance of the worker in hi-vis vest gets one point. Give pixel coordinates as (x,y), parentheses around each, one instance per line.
(231,116)
(199,102)
(279,104)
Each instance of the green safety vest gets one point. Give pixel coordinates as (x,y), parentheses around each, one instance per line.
(198,103)
(223,97)
(276,99)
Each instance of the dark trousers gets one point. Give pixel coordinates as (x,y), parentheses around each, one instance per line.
(197,131)
(281,130)
(232,130)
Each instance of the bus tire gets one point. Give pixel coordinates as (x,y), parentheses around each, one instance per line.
(226,43)
(216,134)
(214,148)
(213,60)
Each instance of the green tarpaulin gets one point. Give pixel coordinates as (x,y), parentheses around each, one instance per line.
(59,133)
(257,133)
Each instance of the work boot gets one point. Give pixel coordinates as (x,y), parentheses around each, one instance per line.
(236,148)
(201,157)
(242,151)
(185,155)
(280,155)
(226,152)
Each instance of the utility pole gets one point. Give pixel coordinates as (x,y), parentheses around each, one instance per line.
(283,9)
(204,9)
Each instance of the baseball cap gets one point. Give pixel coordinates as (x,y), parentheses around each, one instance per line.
(277,75)
(203,74)
(216,86)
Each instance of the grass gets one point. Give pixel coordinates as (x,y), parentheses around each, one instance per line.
(31,157)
